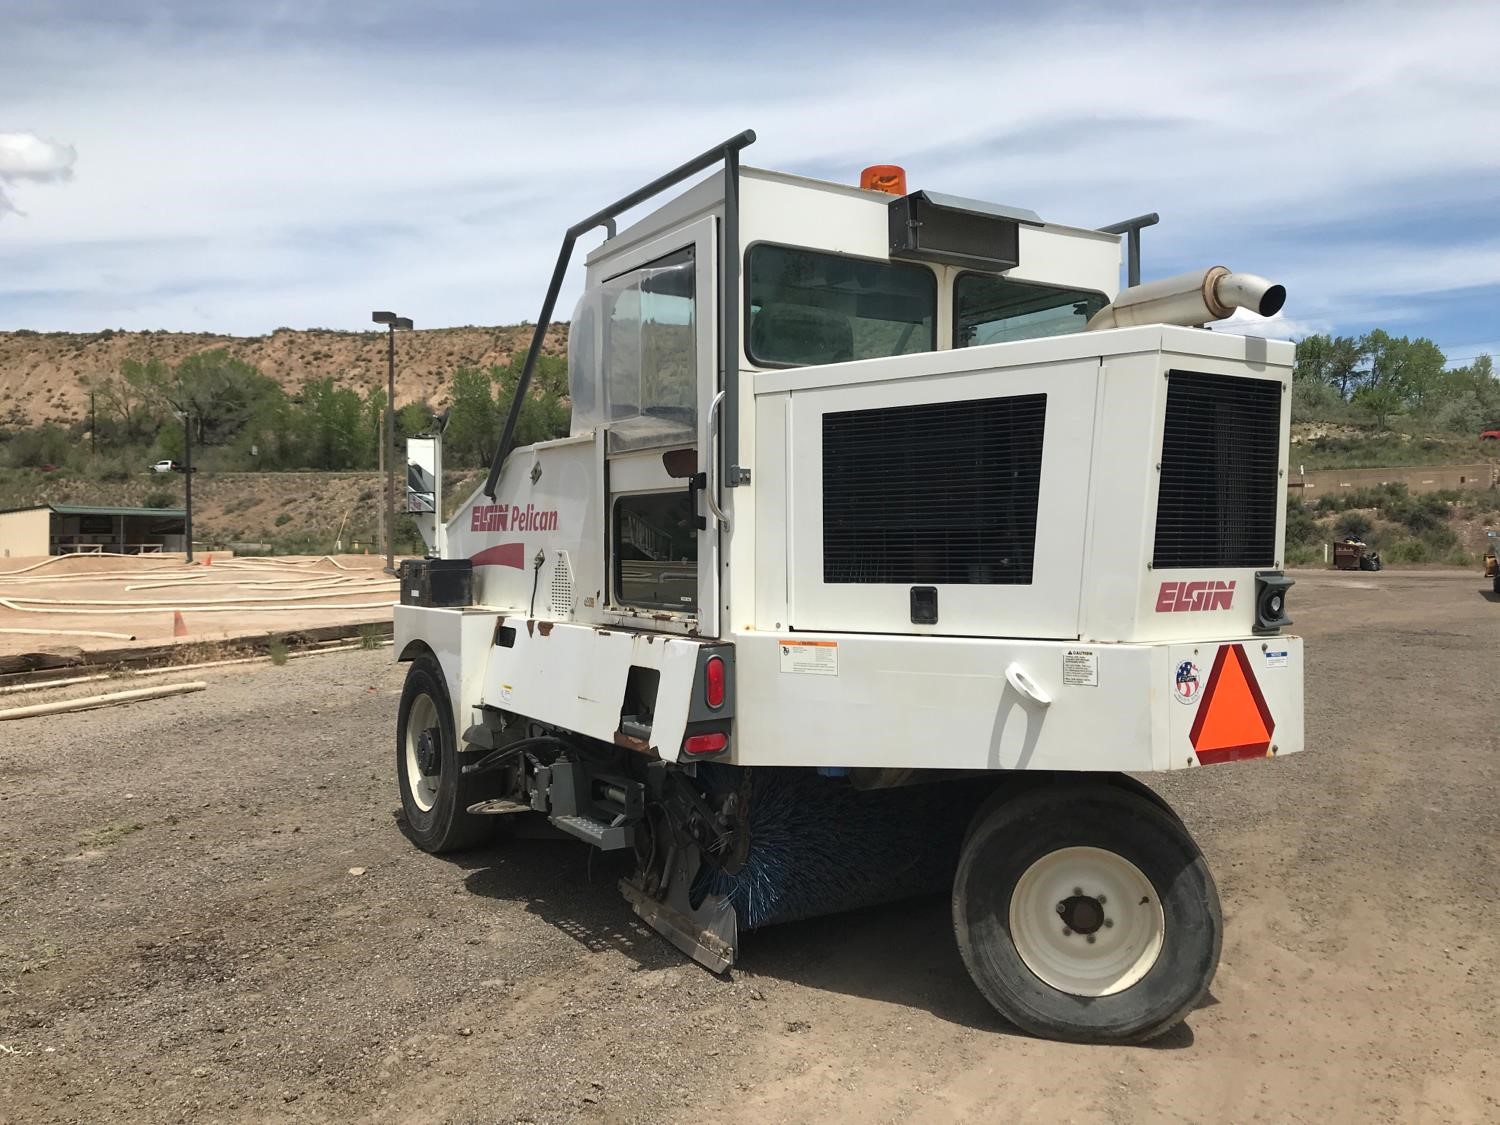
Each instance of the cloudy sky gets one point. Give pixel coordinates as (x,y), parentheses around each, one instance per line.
(225,166)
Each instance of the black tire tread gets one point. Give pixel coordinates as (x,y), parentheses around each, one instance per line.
(1019,827)
(448,826)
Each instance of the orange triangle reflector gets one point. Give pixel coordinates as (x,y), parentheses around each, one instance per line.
(1233,720)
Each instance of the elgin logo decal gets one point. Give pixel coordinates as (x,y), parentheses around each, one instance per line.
(499,517)
(1188,683)
(1192,597)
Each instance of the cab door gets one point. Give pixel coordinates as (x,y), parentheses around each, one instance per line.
(660,381)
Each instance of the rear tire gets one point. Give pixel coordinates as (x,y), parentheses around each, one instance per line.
(1086,912)
(435,795)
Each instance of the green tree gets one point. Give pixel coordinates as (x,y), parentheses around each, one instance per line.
(1329,361)
(474,420)
(1413,369)
(412,419)
(1380,400)
(328,424)
(47,444)
(129,404)
(221,393)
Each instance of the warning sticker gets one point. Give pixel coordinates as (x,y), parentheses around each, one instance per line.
(1275,658)
(1080,668)
(810,658)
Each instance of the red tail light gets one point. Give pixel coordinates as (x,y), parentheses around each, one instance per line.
(713,682)
(704,743)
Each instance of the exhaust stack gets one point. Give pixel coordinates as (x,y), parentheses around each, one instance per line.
(1191,299)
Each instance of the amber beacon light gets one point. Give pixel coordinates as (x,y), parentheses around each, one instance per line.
(889,178)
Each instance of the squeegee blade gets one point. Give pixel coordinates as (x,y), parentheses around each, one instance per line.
(709,934)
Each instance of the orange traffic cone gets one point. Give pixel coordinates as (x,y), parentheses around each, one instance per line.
(179,626)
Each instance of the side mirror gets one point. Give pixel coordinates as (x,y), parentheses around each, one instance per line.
(421,475)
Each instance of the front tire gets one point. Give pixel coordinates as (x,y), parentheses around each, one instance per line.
(1086,912)
(435,795)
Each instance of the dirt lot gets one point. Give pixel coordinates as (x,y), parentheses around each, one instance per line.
(207,912)
(106,602)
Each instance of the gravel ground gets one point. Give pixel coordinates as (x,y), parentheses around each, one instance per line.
(208,913)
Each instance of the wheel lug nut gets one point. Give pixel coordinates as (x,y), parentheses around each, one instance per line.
(1062,908)
(1091,939)
(1108,923)
(1067,932)
(1102,899)
(1078,891)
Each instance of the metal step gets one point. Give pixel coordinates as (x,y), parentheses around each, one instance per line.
(500,806)
(605,837)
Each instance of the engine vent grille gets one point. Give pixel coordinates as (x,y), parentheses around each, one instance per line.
(561,594)
(932,494)
(1216,504)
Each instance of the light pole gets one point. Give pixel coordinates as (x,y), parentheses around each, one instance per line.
(187,485)
(387,450)
(187,471)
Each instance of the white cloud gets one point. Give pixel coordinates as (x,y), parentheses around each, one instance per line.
(245,178)
(26,157)
(1278,327)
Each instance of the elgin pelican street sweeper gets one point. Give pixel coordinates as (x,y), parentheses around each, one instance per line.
(890,538)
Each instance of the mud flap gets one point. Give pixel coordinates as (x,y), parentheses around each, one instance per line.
(708,934)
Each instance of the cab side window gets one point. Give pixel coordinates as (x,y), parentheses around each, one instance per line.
(809,307)
(991,310)
(650,345)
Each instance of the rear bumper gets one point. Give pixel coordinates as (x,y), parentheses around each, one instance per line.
(949,703)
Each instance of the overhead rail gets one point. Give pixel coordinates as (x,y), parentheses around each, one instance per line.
(1132,228)
(729,276)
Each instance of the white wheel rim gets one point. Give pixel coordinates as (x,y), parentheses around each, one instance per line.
(422,716)
(1101,892)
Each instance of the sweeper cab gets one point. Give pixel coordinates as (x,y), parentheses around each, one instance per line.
(890,538)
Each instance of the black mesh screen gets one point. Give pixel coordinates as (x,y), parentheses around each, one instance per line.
(939,493)
(1217,499)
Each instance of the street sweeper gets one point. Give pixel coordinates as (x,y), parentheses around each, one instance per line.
(891,540)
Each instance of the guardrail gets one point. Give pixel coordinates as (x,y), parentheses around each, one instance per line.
(107,548)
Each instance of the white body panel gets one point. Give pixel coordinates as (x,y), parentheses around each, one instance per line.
(1106,395)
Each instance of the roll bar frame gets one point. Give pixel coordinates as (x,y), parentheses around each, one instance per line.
(729,281)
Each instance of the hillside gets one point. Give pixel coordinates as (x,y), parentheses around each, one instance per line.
(41,372)
(294,511)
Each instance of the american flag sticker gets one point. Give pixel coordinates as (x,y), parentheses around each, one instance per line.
(1189,683)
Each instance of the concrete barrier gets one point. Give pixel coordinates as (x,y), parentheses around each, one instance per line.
(1330,482)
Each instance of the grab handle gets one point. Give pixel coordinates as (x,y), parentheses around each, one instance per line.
(1017,678)
(712,489)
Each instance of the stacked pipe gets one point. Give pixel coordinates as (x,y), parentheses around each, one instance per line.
(1191,299)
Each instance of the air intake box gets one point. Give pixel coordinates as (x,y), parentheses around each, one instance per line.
(439,583)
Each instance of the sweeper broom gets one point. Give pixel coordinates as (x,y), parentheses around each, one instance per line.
(890,539)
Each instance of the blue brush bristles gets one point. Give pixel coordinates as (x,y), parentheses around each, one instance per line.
(819,846)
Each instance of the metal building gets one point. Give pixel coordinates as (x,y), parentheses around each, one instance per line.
(65,529)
